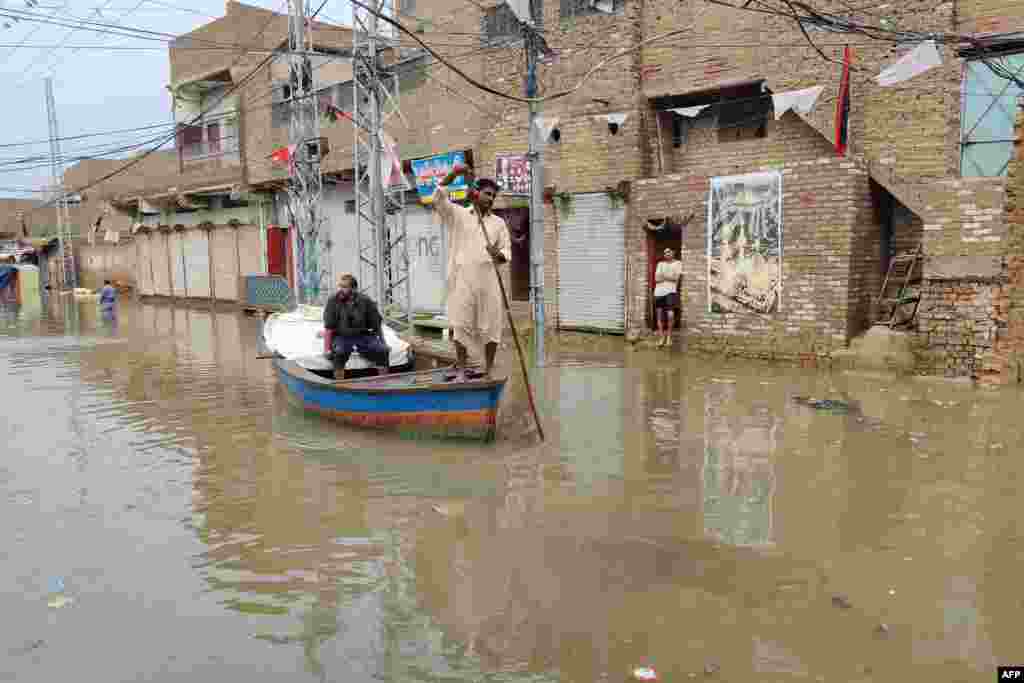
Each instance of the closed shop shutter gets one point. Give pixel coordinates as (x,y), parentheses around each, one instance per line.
(339,211)
(591,263)
(176,253)
(161,269)
(197,263)
(249,257)
(145,269)
(225,264)
(428,258)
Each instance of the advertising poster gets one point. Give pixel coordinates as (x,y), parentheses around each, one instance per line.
(430,171)
(512,173)
(745,243)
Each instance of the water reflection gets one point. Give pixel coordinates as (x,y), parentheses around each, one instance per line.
(740,441)
(683,514)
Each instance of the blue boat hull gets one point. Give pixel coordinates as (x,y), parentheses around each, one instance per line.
(419,403)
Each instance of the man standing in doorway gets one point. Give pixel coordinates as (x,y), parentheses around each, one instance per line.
(666,295)
(353,323)
(475,305)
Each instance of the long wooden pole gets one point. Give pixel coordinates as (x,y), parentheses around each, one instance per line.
(512,324)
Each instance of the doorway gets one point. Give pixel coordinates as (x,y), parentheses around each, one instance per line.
(518,221)
(279,253)
(671,237)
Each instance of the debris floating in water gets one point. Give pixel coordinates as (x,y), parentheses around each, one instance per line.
(822,403)
(841,601)
(645,673)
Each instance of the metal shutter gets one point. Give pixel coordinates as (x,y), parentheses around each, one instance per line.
(176,253)
(428,258)
(144,269)
(591,265)
(197,263)
(161,267)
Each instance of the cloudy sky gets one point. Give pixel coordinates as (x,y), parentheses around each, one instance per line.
(101,83)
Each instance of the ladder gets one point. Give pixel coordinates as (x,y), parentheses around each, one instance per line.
(904,270)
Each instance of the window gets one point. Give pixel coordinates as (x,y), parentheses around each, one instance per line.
(987,113)
(581,8)
(501,23)
(214,136)
(743,114)
(407,7)
(736,113)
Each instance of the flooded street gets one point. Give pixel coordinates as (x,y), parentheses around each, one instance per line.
(165,512)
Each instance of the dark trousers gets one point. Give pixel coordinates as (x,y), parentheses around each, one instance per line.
(369,347)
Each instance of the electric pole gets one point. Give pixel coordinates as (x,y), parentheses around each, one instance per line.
(305,191)
(68,277)
(536,159)
(379,194)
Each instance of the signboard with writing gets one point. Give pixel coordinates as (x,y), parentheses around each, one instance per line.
(512,173)
(431,170)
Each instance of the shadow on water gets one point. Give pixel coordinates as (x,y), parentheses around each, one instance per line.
(687,514)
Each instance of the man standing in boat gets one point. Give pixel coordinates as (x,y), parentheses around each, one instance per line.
(475,308)
(353,323)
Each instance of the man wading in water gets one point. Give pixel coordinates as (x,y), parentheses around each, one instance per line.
(475,308)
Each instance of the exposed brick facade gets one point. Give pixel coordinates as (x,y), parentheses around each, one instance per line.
(902,174)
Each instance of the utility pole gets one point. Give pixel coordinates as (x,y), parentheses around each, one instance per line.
(305,191)
(68,277)
(383,249)
(536,144)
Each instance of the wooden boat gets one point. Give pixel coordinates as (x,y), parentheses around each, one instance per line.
(419,403)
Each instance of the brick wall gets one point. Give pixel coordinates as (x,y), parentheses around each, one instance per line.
(830,260)
(915,125)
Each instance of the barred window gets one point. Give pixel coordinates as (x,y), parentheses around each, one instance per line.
(500,22)
(582,8)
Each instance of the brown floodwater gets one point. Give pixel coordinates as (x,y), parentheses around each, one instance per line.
(166,513)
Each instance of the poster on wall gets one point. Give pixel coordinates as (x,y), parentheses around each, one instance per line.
(512,173)
(431,170)
(745,243)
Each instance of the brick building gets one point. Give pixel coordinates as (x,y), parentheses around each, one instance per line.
(626,173)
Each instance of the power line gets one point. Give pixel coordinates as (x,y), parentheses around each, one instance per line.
(198,117)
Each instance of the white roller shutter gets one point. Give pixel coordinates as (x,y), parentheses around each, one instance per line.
(144,267)
(176,254)
(427,257)
(344,241)
(197,263)
(160,248)
(591,265)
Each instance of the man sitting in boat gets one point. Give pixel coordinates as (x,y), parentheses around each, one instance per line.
(353,323)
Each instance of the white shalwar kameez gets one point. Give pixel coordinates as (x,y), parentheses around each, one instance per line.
(475,308)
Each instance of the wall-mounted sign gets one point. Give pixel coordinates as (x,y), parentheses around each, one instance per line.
(512,173)
(430,171)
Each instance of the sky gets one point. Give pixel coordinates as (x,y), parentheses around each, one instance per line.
(95,89)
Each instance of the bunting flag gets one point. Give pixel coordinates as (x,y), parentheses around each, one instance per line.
(922,58)
(843,106)
(617,119)
(690,112)
(800,101)
(606,6)
(335,114)
(391,166)
(544,126)
(282,155)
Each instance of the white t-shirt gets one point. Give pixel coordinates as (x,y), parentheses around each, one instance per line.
(671,270)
